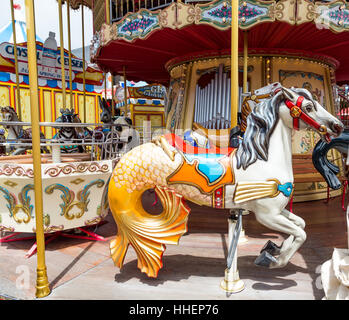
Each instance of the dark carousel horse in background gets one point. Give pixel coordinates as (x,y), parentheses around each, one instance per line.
(17,134)
(328,169)
(69,134)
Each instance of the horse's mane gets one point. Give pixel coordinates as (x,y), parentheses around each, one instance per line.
(260,125)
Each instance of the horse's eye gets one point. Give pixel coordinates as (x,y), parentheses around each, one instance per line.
(309,108)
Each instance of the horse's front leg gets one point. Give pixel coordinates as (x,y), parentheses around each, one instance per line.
(275,219)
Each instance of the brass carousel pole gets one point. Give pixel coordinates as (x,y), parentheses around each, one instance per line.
(62,53)
(245,61)
(107,12)
(70,62)
(234,77)
(112,97)
(18,92)
(125,91)
(83,59)
(231,282)
(42,284)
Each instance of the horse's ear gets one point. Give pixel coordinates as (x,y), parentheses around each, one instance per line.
(128,120)
(288,94)
(101,104)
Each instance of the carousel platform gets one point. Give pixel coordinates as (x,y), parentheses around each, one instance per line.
(81,269)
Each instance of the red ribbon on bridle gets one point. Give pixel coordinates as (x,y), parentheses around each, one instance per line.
(297,113)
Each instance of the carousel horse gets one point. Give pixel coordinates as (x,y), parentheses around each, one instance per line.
(2,141)
(17,133)
(125,136)
(257,176)
(68,134)
(326,168)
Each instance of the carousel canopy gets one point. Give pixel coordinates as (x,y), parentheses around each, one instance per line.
(6,32)
(146,58)
(145,42)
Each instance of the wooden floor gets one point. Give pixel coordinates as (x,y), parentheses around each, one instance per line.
(82,269)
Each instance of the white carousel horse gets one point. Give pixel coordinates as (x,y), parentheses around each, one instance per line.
(16,133)
(122,138)
(257,176)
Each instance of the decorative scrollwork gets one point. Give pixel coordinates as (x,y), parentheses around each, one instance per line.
(9,170)
(194,14)
(9,229)
(278,11)
(24,205)
(79,168)
(68,197)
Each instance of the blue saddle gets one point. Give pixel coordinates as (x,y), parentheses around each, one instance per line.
(208,165)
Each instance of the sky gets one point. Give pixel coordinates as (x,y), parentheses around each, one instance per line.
(46,19)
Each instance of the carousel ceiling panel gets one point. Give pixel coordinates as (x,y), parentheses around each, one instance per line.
(145,59)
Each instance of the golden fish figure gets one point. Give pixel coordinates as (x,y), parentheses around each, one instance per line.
(147,167)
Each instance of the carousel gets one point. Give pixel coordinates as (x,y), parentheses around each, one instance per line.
(249,96)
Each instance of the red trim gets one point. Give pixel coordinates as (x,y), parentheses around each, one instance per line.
(297,113)
(218,198)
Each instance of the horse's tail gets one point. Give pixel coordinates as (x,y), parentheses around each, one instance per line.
(148,234)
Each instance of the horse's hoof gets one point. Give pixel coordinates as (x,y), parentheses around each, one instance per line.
(271,248)
(265,259)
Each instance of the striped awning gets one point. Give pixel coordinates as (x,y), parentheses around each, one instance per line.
(6,32)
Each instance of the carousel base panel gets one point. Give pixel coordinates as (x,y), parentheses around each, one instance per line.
(302,197)
(194,269)
(52,236)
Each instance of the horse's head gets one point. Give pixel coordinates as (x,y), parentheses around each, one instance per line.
(68,116)
(129,138)
(8,114)
(268,90)
(301,111)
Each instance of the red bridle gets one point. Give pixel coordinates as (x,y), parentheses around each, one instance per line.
(297,114)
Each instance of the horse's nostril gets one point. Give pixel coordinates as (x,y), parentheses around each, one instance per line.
(338,128)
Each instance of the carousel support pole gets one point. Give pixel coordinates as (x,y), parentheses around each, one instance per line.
(112,97)
(70,61)
(105,87)
(125,90)
(243,238)
(64,102)
(232,282)
(42,284)
(18,92)
(56,153)
(83,59)
(245,86)
(107,12)
(234,63)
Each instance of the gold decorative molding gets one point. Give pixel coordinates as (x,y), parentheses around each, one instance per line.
(76,168)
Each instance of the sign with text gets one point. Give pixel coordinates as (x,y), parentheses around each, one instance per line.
(48,60)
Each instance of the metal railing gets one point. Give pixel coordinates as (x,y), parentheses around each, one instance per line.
(99,141)
(119,8)
(341,99)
